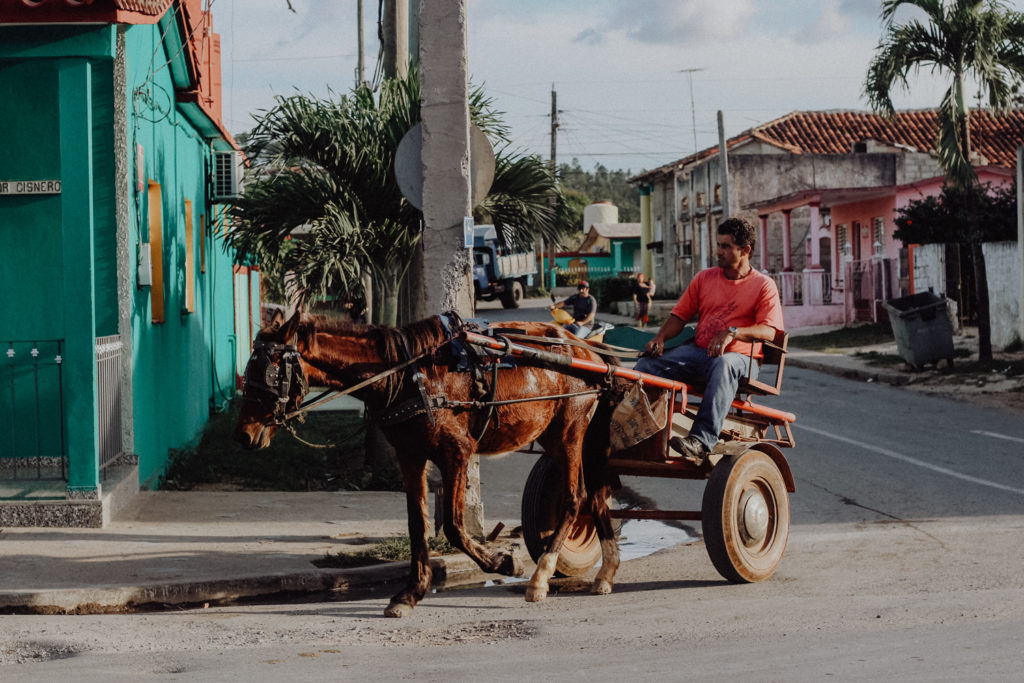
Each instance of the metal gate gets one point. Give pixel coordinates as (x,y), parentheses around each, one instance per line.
(108,384)
(868,284)
(32,444)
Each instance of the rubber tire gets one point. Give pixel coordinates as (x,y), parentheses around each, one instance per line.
(733,476)
(511,297)
(581,549)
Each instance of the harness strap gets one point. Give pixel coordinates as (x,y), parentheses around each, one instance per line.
(617,351)
(356,387)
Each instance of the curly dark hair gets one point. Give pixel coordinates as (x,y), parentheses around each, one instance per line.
(742,232)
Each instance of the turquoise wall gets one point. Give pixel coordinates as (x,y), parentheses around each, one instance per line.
(185,362)
(59,278)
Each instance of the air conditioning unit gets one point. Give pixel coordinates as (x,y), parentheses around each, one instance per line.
(225,176)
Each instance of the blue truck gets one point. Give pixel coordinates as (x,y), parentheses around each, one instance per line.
(499,272)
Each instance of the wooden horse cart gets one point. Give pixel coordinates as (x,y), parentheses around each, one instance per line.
(745,508)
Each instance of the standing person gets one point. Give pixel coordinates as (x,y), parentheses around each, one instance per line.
(583,307)
(736,305)
(643,292)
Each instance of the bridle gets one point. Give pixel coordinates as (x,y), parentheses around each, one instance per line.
(271,374)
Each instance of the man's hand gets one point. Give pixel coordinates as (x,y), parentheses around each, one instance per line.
(654,347)
(718,344)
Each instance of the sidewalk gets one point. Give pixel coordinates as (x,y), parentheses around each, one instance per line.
(193,547)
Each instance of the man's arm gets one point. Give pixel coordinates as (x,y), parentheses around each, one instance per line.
(559,304)
(669,330)
(590,316)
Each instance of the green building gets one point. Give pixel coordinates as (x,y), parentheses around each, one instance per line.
(123,321)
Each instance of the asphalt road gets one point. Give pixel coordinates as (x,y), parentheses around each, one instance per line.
(904,563)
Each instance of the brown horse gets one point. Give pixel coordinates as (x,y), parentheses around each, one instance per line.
(433,410)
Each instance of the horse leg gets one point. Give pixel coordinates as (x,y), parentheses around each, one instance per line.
(537,589)
(609,546)
(414,477)
(454,473)
(596,451)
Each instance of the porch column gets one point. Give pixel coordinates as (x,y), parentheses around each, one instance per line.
(814,290)
(815,237)
(646,228)
(788,290)
(763,239)
(77,228)
(787,244)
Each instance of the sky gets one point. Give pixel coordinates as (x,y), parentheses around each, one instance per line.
(639,83)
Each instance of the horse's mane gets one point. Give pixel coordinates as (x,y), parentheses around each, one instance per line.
(393,343)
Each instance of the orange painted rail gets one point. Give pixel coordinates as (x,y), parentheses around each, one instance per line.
(602,368)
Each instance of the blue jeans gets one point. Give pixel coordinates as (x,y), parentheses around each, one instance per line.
(722,374)
(580,331)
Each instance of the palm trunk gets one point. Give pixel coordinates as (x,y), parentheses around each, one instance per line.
(385,297)
(981,300)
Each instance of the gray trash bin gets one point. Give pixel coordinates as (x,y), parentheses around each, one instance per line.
(923,331)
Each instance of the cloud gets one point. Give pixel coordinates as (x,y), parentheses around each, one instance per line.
(683,21)
(589,36)
(831,22)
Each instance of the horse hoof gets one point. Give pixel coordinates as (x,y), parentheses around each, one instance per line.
(398,610)
(535,594)
(510,566)
(601,587)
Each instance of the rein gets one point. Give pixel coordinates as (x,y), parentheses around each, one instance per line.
(332,394)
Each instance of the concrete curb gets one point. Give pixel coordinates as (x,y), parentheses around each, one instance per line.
(341,584)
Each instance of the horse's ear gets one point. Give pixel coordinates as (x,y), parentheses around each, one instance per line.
(288,330)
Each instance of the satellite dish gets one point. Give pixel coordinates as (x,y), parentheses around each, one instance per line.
(409,165)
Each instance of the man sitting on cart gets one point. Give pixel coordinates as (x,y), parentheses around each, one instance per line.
(736,305)
(583,307)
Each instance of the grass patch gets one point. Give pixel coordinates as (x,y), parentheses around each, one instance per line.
(394,549)
(988,368)
(876,359)
(287,465)
(847,337)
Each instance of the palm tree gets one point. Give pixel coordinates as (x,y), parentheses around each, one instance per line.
(327,166)
(961,39)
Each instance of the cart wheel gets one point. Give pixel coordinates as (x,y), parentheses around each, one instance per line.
(581,549)
(746,517)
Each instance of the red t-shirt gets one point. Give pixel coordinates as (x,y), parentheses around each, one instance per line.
(722,303)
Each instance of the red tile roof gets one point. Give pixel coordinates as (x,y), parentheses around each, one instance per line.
(834,132)
(76,11)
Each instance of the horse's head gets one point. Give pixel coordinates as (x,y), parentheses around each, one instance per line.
(274,384)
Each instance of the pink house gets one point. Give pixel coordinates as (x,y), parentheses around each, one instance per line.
(824,186)
(852,260)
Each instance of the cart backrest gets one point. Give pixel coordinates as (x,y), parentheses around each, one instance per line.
(773,361)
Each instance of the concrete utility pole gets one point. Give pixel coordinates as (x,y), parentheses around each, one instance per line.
(554,169)
(723,158)
(1020,240)
(447,187)
(396,38)
(361,63)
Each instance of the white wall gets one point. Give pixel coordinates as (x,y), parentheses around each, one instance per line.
(930,268)
(1003,267)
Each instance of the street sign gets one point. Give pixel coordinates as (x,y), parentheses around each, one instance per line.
(409,165)
(18,187)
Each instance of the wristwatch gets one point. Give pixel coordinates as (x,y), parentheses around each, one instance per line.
(733,330)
